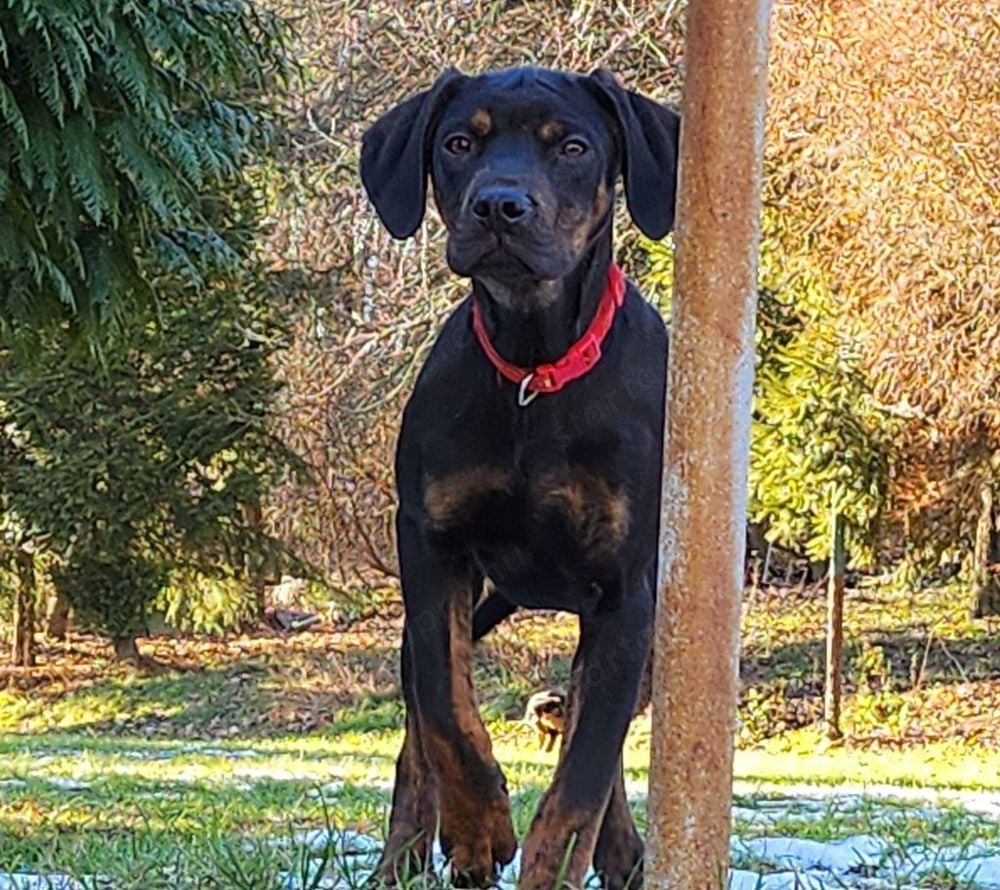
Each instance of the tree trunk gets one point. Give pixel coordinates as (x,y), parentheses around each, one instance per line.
(819,570)
(993,540)
(58,617)
(985,556)
(126,650)
(981,550)
(256,566)
(834,628)
(23,653)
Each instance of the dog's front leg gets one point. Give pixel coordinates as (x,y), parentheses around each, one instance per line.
(619,849)
(607,672)
(439,590)
(618,856)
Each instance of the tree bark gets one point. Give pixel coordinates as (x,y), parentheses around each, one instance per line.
(23,652)
(126,650)
(834,628)
(981,551)
(256,566)
(58,617)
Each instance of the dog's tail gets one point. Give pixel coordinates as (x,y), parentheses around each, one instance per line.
(490,611)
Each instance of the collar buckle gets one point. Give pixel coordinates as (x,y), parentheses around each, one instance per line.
(525,396)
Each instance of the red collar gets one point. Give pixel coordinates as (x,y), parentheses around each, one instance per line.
(579,358)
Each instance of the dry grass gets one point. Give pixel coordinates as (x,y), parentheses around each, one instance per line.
(263,683)
(917,670)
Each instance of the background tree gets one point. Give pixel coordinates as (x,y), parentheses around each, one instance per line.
(821,451)
(19,593)
(820,444)
(883,119)
(140,471)
(127,134)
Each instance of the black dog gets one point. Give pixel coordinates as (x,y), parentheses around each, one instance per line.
(530,450)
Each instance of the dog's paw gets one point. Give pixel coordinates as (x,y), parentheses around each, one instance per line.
(406,855)
(618,863)
(559,845)
(478,848)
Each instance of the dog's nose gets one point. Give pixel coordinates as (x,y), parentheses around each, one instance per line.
(503,206)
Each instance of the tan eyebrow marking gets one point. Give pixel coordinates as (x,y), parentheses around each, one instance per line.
(481,122)
(550,131)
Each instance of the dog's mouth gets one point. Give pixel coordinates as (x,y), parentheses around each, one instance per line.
(502,256)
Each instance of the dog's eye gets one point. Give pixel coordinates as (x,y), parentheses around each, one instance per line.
(458,144)
(573,148)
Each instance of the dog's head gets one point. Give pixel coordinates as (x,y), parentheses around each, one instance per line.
(523,165)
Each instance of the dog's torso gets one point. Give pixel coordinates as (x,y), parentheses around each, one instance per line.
(555,501)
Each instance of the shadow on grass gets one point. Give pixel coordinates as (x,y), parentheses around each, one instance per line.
(906,686)
(242,699)
(906,659)
(330,686)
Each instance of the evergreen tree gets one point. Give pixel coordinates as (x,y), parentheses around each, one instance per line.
(122,126)
(820,445)
(149,465)
(127,133)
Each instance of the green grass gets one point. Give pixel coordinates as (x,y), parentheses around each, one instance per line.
(185,808)
(804,757)
(191,778)
(176,805)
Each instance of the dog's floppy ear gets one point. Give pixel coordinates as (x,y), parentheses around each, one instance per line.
(649,135)
(394,157)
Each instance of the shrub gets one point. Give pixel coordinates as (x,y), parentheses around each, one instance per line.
(152,462)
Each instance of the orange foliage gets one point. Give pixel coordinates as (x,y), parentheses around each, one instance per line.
(884,141)
(882,174)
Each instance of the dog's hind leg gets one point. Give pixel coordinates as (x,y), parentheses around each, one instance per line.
(490,611)
(619,849)
(439,590)
(414,799)
(607,673)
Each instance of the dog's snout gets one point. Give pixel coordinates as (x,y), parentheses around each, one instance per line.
(503,206)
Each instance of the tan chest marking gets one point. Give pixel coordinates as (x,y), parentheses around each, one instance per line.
(454,498)
(598,513)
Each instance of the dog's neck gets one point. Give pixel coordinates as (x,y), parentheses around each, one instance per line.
(533,327)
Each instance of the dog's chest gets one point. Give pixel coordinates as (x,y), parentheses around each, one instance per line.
(491,506)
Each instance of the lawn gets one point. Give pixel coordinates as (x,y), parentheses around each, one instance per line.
(227,769)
